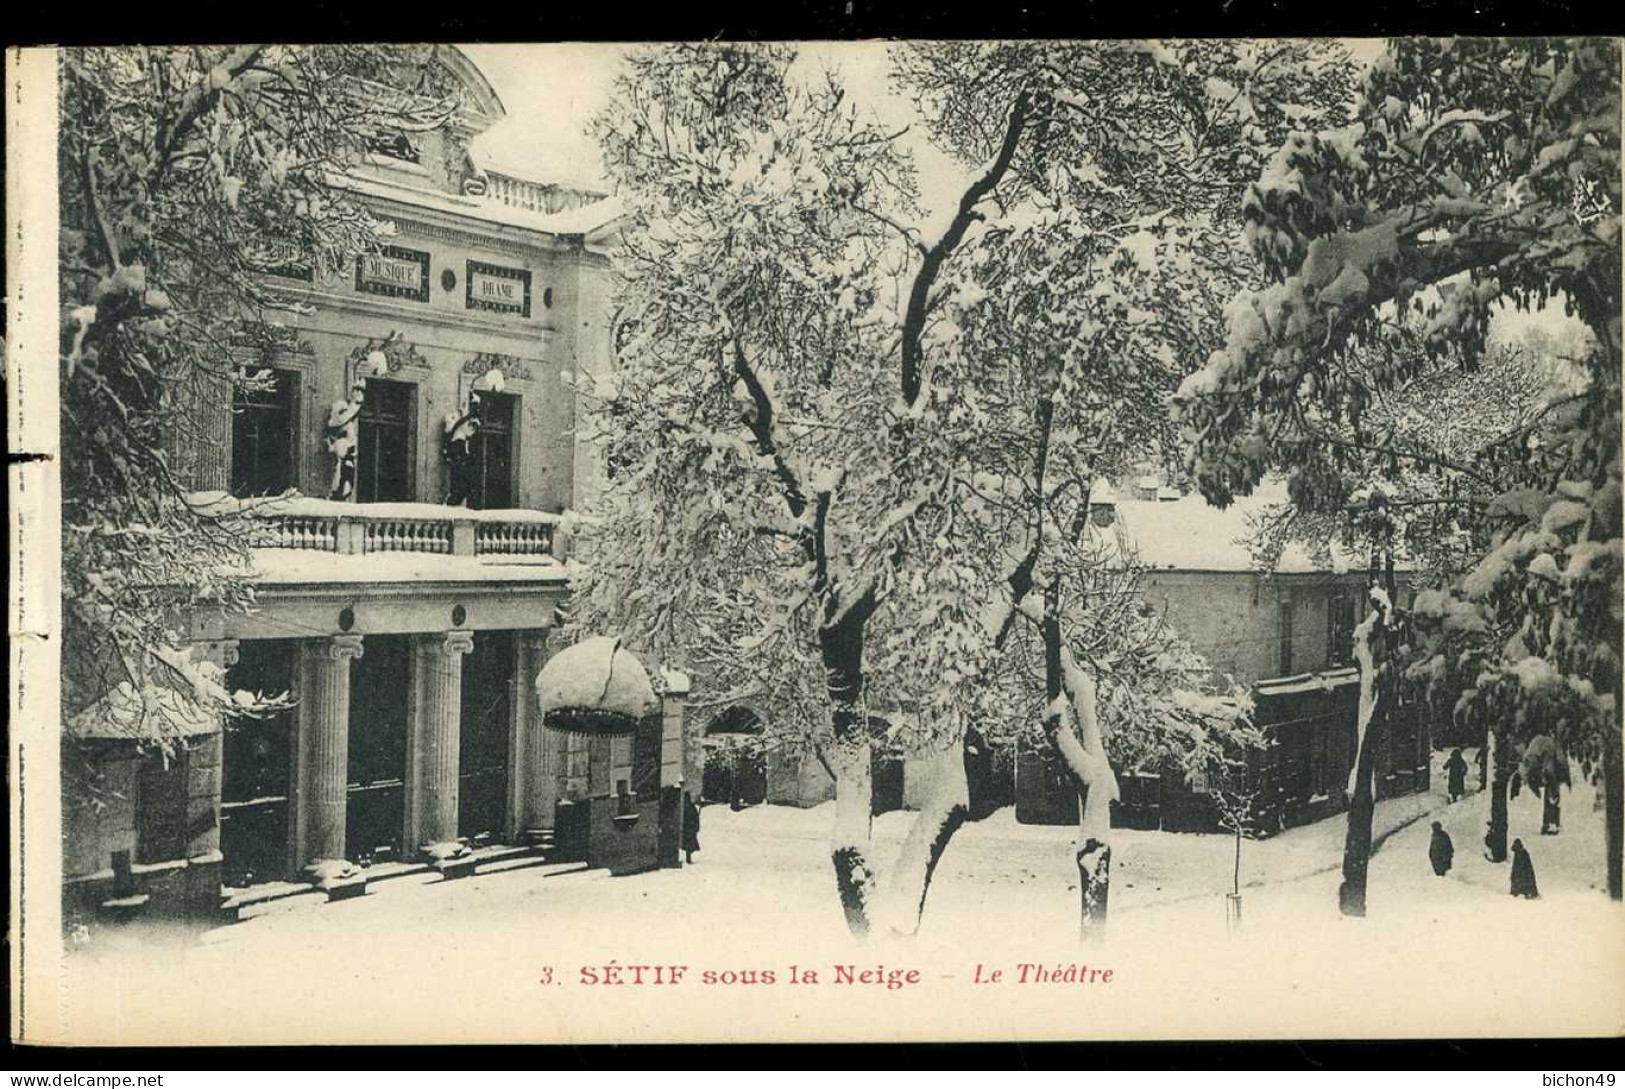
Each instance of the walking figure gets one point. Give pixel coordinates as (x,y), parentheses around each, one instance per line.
(1523,872)
(1457,768)
(691,827)
(1441,852)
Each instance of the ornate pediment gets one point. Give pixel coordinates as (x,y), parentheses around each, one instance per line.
(397,351)
(510,367)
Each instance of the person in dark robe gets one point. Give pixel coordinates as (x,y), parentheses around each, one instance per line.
(1516,786)
(1551,813)
(1457,769)
(1523,872)
(691,826)
(1441,852)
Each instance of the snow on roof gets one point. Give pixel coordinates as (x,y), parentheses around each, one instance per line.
(162,706)
(508,148)
(1309,682)
(597,674)
(1189,534)
(130,714)
(573,221)
(297,566)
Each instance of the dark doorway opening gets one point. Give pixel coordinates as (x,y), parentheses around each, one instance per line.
(488,695)
(384,459)
(735,764)
(491,451)
(887,773)
(380,720)
(262,437)
(257,768)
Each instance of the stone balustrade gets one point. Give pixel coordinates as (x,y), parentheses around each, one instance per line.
(513,538)
(321,525)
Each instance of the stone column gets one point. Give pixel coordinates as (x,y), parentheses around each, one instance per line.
(439,734)
(323,771)
(538,760)
(678,765)
(203,768)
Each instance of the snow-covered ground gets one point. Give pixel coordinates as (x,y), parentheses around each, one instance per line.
(468,959)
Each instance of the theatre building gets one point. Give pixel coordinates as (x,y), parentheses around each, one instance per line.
(408,461)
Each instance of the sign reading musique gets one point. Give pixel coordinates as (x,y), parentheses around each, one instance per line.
(394,271)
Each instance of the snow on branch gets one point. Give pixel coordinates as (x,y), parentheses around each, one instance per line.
(1084,748)
(939,251)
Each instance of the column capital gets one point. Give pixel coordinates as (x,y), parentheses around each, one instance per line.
(340,647)
(456,642)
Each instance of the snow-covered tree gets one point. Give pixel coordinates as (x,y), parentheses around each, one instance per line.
(1476,174)
(187,174)
(775,490)
(832,429)
(1093,278)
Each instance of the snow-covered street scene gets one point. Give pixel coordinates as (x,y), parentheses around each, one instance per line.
(835,541)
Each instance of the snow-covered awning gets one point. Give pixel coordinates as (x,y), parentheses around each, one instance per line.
(1308,682)
(596,687)
(178,699)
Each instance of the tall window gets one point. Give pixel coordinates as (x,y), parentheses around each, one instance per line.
(1340,629)
(492,451)
(262,437)
(384,461)
(1286,635)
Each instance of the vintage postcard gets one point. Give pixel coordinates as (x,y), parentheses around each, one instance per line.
(814,541)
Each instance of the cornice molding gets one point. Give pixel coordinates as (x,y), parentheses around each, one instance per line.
(383,307)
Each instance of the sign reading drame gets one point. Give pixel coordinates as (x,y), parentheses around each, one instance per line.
(504,290)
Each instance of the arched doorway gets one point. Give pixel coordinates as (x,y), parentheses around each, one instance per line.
(735,759)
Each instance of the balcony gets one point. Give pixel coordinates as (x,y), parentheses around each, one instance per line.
(303,525)
(320,567)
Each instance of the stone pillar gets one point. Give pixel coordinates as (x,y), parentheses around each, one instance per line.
(538,760)
(323,760)
(203,766)
(438,735)
(678,764)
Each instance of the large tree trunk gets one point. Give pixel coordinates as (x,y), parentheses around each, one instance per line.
(1500,772)
(1362,809)
(841,647)
(850,842)
(1071,694)
(946,808)
(1370,646)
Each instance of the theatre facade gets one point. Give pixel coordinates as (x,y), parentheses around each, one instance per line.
(408,462)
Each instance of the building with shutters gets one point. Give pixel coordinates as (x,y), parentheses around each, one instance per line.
(408,566)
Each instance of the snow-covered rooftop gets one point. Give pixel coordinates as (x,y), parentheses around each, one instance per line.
(1189,534)
(507,148)
(573,221)
(596,674)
